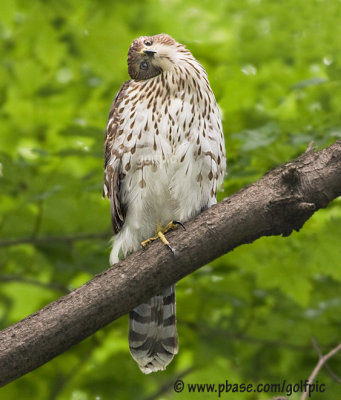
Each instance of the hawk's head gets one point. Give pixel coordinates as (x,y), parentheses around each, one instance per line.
(148,56)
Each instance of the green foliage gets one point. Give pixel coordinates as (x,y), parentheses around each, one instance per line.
(275,68)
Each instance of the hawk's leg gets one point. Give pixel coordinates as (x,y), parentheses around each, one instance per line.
(160,234)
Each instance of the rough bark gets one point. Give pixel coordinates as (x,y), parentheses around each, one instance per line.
(277,204)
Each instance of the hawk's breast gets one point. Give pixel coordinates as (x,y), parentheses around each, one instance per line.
(170,145)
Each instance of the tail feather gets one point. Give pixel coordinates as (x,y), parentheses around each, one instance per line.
(153,338)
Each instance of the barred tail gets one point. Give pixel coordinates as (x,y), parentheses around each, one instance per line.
(153,339)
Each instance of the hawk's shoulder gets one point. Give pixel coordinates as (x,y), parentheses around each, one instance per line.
(113,121)
(112,160)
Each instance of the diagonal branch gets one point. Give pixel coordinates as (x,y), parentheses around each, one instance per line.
(336,378)
(319,365)
(277,204)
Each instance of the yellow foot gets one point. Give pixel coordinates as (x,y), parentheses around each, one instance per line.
(160,234)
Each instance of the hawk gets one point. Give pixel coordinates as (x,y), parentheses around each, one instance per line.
(164,158)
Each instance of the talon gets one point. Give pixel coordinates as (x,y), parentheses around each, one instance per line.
(165,242)
(171,249)
(179,223)
(172,225)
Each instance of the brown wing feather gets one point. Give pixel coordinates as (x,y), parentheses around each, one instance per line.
(112,163)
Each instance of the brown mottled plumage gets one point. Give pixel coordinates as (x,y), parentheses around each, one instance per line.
(164,157)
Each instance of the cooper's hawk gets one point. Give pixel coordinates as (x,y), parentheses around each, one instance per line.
(164,157)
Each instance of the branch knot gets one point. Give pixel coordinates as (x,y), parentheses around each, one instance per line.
(290,176)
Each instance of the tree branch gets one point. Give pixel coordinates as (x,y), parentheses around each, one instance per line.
(327,367)
(277,204)
(319,365)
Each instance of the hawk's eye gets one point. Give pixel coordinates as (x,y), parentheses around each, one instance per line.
(148,42)
(143,65)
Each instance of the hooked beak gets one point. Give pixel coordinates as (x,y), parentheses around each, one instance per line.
(148,52)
